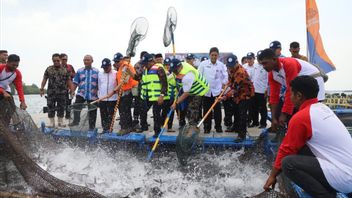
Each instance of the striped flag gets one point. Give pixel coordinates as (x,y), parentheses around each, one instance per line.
(316,52)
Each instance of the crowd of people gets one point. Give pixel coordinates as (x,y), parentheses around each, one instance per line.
(162,84)
(311,155)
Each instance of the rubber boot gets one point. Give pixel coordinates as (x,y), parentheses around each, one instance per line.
(52,123)
(60,122)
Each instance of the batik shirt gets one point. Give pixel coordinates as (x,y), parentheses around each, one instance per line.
(241,86)
(87,81)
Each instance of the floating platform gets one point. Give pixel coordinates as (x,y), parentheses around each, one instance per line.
(143,140)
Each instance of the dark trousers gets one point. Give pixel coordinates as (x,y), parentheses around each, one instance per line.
(240,112)
(68,103)
(207,103)
(229,111)
(159,114)
(92,114)
(106,113)
(304,169)
(259,106)
(125,111)
(193,115)
(56,103)
(137,107)
(171,119)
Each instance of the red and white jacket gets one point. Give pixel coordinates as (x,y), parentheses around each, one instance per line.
(7,77)
(289,69)
(317,126)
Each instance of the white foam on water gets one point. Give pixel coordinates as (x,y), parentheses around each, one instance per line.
(121,173)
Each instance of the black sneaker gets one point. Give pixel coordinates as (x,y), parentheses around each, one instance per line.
(206,131)
(219,130)
(73,124)
(262,126)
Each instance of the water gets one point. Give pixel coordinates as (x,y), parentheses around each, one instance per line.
(122,173)
(119,173)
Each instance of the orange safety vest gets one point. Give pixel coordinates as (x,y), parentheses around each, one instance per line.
(131,82)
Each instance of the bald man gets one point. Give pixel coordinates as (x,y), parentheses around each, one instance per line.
(86,75)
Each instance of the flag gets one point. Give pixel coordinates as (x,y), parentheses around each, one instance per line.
(316,52)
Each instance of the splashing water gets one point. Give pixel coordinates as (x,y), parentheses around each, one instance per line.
(121,173)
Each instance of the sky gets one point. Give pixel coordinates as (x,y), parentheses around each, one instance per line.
(35,29)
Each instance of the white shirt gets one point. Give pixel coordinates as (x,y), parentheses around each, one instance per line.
(331,143)
(260,79)
(187,81)
(215,74)
(106,84)
(250,70)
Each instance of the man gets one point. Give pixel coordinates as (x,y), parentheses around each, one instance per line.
(241,91)
(3,56)
(316,152)
(86,79)
(154,91)
(124,84)
(190,59)
(69,68)
(260,83)
(172,91)
(249,66)
(159,58)
(276,47)
(59,80)
(294,49)
(136,91)
(194,86)
(10,74)
(106,84)
(244,60)
(281,72)
(215,72)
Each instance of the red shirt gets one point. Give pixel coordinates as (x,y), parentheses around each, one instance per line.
(17,80)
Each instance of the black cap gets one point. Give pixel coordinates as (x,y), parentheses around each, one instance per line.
(204,58)
(231,61)
(190,56)
(275,45)
(167,61)
(146,58)
(106,62)
(175,63)
(250,55)
(117,57)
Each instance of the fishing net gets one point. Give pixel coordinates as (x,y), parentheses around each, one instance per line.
(84,116)
(270,194)
(170,26)
(22,140)
(139,30)
(186,142)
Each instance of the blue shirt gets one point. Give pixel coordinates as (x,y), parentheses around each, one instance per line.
(87,82)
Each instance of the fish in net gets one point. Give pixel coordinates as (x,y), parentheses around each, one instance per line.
(186,142)
(84,116)
(22,139)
